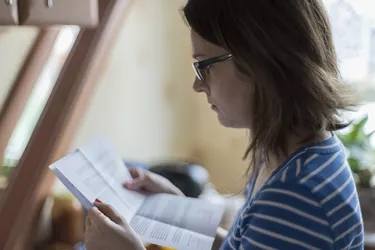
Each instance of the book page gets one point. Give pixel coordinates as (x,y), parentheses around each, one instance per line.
(95,171)
(83,198)
(187,213)
(87,184)
(163,234)
(104,158)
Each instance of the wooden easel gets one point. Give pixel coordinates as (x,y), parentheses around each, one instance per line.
(31,181)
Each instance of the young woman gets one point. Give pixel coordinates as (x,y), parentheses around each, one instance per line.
(269,66)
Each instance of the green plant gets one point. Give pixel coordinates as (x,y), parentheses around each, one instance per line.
(361,156)
(5,170)
(7,166)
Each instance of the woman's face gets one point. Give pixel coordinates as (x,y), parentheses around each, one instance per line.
(227,90)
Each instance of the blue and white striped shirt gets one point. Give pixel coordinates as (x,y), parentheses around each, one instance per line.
(309,202)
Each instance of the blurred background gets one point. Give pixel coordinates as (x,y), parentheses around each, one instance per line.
(144,104)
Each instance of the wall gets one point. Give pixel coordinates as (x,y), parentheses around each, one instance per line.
(145,104)
(144,85)
(15,43)
(220,149)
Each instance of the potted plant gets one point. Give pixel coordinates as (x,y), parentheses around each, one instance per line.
(361,158)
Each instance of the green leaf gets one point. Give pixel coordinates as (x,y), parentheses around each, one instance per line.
(361,153)
(354,164)
(357,133)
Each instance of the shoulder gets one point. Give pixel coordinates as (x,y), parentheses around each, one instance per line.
(286,215)
(329,179)
(320,173)
(310,203)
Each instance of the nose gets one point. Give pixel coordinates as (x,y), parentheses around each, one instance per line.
(198,86)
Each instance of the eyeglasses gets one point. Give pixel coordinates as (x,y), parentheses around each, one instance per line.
(200,66)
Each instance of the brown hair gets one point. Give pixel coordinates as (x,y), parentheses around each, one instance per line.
(286,47)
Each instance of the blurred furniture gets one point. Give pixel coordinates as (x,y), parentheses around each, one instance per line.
(8,12)
(67,220)
(60,223)
(83,13)
(190,178)
(367,201)
(370,241)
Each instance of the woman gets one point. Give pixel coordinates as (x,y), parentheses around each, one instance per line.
(269,66)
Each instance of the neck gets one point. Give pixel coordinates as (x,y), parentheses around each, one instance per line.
(294,142)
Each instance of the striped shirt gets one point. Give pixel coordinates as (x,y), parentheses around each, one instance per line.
(309,202)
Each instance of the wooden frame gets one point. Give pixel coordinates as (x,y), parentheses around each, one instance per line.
(31,181)
(21,89)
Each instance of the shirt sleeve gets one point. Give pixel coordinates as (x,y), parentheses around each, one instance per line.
(285,217)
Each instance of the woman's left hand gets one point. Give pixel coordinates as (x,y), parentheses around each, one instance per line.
(105,229)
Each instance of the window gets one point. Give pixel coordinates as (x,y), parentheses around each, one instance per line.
(353,27)
(38,98)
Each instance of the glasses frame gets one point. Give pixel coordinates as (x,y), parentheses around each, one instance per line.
(207,63)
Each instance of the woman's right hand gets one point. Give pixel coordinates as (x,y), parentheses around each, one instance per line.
(151,182)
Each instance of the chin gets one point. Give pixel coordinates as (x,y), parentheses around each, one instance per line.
(229,123)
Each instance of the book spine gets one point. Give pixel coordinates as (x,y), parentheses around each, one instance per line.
(81,198)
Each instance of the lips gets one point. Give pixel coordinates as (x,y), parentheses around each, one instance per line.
(213,107)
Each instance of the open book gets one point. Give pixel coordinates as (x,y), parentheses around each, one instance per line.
(96,171)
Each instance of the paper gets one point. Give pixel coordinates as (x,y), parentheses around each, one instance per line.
(180,222)
(164,234)
(191,214)
(95,171)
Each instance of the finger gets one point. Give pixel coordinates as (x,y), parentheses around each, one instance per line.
(139,179)
(136,185)
(88,223)
(136,172)
(96,217)
(109,212)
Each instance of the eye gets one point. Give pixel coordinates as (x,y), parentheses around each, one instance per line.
(207,69)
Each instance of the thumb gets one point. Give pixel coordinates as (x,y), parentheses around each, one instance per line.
(138,181)
(95,217)
(110,213)
(136,184)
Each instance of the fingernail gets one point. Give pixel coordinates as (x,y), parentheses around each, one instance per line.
(98,201)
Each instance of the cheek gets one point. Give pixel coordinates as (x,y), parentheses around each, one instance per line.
(221,93)
(232,92)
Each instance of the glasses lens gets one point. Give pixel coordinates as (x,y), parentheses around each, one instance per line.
(198,73)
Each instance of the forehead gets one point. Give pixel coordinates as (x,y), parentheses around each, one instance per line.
(203,47)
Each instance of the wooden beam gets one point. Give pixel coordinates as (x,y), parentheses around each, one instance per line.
(31,181)
(22,87)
